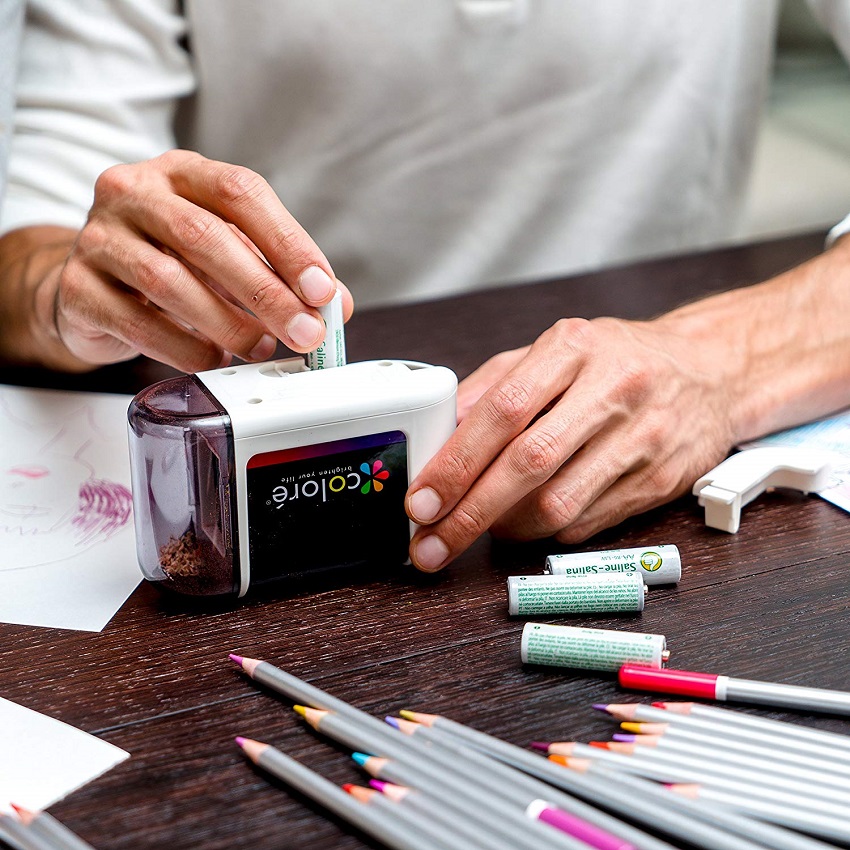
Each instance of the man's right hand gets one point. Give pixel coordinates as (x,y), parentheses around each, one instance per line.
(187,261)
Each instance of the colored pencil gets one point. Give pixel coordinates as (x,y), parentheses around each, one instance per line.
(589,824)
(46,825)
(444,777)
(739,718)
(513,826)
(7,838)
(381,738)
(15,833)
(378,824)
(668,773)
(793,750)
(817,771)
(435,830)
(723,688)
(692,827)
(764,833)
(835,829)
(776,774)
(430,807)
(638,711)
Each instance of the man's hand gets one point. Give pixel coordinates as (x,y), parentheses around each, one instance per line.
(598,420)
(188,261)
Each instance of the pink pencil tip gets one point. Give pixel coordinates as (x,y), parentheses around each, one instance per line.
(539,745)
(236,659)
(240,742)
(378,784)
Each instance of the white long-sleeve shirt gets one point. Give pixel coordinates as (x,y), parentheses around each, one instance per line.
(11,24)
(428,147)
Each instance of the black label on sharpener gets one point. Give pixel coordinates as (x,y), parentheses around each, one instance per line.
(327,505)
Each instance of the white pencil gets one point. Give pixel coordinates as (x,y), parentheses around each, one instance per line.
(638,711)
(835,829)
(737,718)
(729,749)
(668,773)
(770,774)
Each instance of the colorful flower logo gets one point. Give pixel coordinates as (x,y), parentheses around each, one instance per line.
(376,475)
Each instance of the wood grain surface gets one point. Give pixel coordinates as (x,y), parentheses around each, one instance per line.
(768,603)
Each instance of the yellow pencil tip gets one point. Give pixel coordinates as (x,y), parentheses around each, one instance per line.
(408,715)
(300,709)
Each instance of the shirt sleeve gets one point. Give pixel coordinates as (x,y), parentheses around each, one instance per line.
(98,84)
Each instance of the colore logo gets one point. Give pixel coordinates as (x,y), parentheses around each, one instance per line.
(375,476)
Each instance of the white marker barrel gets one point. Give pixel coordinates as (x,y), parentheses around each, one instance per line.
(529,595)
(657,564)
(590,649)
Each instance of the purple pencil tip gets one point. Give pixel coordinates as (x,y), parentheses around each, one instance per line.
(625,738)
(378,784)
(236,659)
(600,706)
(240,741)
(393,721)
(539,745)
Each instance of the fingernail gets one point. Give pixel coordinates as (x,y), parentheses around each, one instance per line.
(429,553)
(315,284)
(424,505)
(305,330)
(264,348)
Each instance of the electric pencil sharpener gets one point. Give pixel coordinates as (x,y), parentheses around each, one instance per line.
(262,472)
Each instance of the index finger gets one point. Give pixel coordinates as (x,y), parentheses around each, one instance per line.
(243,197)
(502,413)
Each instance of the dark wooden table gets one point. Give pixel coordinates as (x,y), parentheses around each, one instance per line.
(768,603)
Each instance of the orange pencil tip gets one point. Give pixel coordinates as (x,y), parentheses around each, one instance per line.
(24,815)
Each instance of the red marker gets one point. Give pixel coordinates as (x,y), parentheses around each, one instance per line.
(723,688)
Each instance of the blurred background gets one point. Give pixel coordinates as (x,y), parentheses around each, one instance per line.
(801,175)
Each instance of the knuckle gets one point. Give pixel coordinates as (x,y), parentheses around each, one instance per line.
(662,481)
(265,291)
(511,403)
(467,521)
(72,287)
(197,231)
(236,184)
(155,273)
(134,327)
(457,467)
(288,240)
(538,452)
(92,238)
(557,509)
(115,181)
(235,334)
(633,382)
(572,332)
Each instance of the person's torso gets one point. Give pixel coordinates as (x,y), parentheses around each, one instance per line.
(435,147)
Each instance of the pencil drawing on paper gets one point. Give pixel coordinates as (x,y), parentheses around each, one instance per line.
(53,503)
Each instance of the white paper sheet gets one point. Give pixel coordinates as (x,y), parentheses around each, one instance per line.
(67,550)
(43,760)
(831,435)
